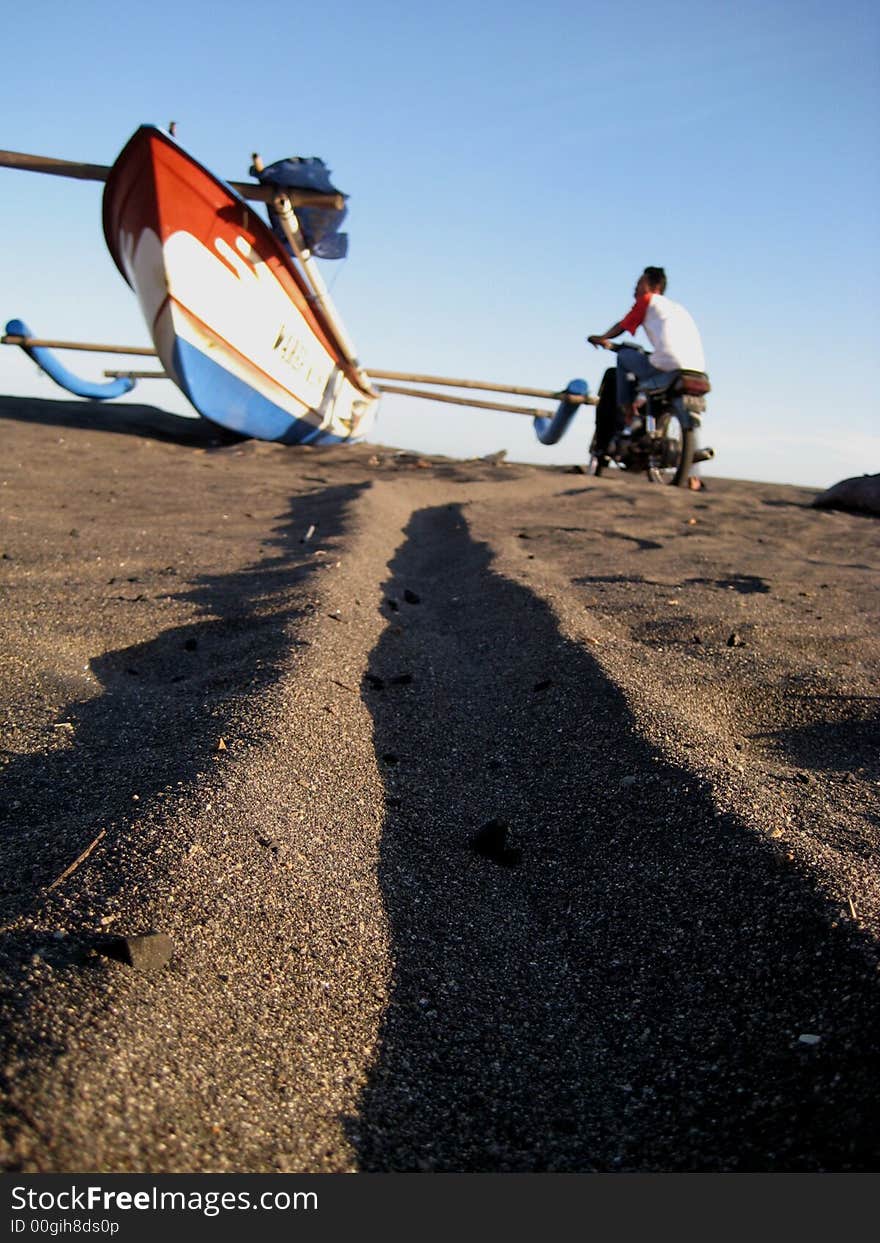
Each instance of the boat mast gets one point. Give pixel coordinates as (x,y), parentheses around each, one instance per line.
(282,205)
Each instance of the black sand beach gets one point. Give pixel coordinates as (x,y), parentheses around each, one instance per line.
(500,818)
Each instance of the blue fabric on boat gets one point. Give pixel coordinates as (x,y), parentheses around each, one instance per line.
(319,225)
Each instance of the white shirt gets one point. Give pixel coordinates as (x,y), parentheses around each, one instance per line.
(674,336)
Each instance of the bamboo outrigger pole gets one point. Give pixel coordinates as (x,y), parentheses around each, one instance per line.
(12,338)
(137,375)
(471,401)
(249,190)
(573,399)
(449,382)
(403,392)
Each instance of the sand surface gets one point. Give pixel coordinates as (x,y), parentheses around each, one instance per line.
(280,692)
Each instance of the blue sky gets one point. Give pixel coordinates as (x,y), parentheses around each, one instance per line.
(511,168)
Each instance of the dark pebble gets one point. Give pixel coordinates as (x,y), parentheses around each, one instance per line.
(411,597)
(149,952)
(273,844)
(490,841)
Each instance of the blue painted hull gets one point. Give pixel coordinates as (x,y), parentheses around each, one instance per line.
(225,399)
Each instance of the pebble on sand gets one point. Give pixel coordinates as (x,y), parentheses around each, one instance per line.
(490,841)
(149,952)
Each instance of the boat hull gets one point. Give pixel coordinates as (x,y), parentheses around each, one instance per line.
(228,311)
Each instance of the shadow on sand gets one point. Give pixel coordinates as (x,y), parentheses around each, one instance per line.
(130,419)
(149,734)
(841,737)
(643,988)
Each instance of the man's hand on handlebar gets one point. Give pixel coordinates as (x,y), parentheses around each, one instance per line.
(596,342)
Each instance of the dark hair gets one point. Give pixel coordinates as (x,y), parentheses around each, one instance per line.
(656,278)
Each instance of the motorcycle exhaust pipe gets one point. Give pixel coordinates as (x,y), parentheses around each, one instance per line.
(704,455)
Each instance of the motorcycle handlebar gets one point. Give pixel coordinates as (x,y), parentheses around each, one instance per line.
(614,346)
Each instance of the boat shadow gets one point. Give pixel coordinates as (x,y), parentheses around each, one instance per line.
(128,418)
(593,969)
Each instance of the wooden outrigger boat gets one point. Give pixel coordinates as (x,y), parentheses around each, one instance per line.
(240,320)
(235,324)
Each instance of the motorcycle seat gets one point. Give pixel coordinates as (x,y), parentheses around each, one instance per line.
(693,383)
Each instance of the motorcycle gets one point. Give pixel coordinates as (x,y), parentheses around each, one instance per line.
(661,440)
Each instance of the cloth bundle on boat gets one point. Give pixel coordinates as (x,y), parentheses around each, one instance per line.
(319,225)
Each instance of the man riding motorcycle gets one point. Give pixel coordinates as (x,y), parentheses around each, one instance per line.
(676,346)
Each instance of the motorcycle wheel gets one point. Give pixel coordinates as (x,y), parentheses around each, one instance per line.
(677,459)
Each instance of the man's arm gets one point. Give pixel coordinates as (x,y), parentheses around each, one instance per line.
(630,322)
(614,331)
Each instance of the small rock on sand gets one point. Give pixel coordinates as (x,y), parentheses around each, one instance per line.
(148,952)
(490,841)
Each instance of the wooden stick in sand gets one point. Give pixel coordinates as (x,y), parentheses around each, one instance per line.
(85,854)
